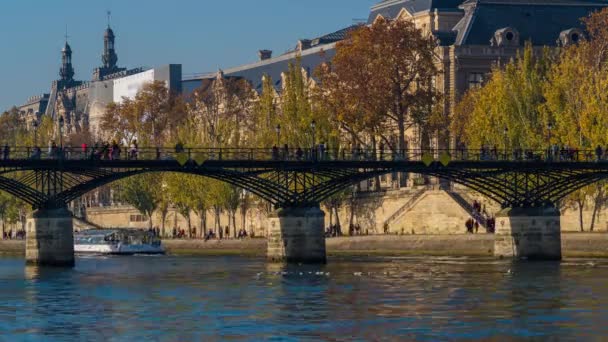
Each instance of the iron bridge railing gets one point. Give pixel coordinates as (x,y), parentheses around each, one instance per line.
(317,154)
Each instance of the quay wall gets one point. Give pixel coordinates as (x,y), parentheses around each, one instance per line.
(411,211)
(573,245)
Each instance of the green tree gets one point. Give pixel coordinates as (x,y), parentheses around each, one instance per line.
(143,193)
(512,99)
(265,116)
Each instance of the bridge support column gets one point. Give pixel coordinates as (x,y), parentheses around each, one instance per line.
(531,233)
(50,238)
(296,235)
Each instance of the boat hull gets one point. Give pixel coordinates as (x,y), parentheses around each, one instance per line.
(117,249)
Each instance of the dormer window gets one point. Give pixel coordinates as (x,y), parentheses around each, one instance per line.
(570,36)
(507,36)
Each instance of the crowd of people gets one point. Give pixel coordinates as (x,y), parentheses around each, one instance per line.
(16,235)
(114,151)
(480,217)
(333,231)
(180,233)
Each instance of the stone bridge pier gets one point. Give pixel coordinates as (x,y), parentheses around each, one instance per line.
(49,238)
(296,235)
(528,233)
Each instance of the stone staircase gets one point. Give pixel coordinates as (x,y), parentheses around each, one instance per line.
(82,224)
(404,208)
(467,206)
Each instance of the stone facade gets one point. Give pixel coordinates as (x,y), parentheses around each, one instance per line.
(297,235)
(49,238)
(412,211)
(531,233)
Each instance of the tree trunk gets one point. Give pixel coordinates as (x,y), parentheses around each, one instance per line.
(175,220)
(338,220)
(189,225)
(162,224)
(351,220)
(597,204)
(150,220)
(218,225)
(595,212)
(243,218)
(234,224)
(331,216)
(581,207)
(203,214)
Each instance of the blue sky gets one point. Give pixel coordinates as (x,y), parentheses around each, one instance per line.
(202,35)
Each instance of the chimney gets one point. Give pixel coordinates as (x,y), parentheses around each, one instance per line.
(265,54)
(304,44)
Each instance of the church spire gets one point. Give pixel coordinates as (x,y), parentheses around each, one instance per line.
(109,57)
(67,71)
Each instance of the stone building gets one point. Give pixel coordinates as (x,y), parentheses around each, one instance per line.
(34,108)
(81,104)
(473,36)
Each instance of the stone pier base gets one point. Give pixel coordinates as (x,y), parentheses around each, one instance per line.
(49,238)
(529,233)
(296,235)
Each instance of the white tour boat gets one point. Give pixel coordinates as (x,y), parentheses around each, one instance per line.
(117,241)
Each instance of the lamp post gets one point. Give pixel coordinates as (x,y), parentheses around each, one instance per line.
(219,143)
(35,125)
(61,131)
(278,131)
(549,149)
(60,154)
(506,136)
(313,126)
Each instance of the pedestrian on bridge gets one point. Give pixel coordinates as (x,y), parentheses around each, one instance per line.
(598,153)
(6,152)
(285,152)
(133,150)
(36,153)
(275,152)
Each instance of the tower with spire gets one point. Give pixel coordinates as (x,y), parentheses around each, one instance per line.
(67,70)
(109,58)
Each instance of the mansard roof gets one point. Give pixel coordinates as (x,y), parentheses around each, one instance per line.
(333,37)
(389,9)
(321,49)
(538,21)
(274,67)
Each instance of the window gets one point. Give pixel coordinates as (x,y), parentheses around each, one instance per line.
(575,37)
(138,218)
(475,80)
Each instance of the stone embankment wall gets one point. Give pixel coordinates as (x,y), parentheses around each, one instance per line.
(573,245)
(413,211)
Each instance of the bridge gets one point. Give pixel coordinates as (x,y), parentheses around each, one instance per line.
(527,184)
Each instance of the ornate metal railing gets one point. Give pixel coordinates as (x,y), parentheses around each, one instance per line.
(298,154)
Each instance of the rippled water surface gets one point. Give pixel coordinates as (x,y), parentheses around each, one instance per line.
(232,298)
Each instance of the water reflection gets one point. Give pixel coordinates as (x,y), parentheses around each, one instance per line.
(231,298)
(53,303)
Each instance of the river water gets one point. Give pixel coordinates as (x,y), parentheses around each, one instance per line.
(232,298)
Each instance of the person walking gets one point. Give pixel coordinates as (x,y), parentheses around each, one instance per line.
(133,149)
(598,153)
(6,152)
